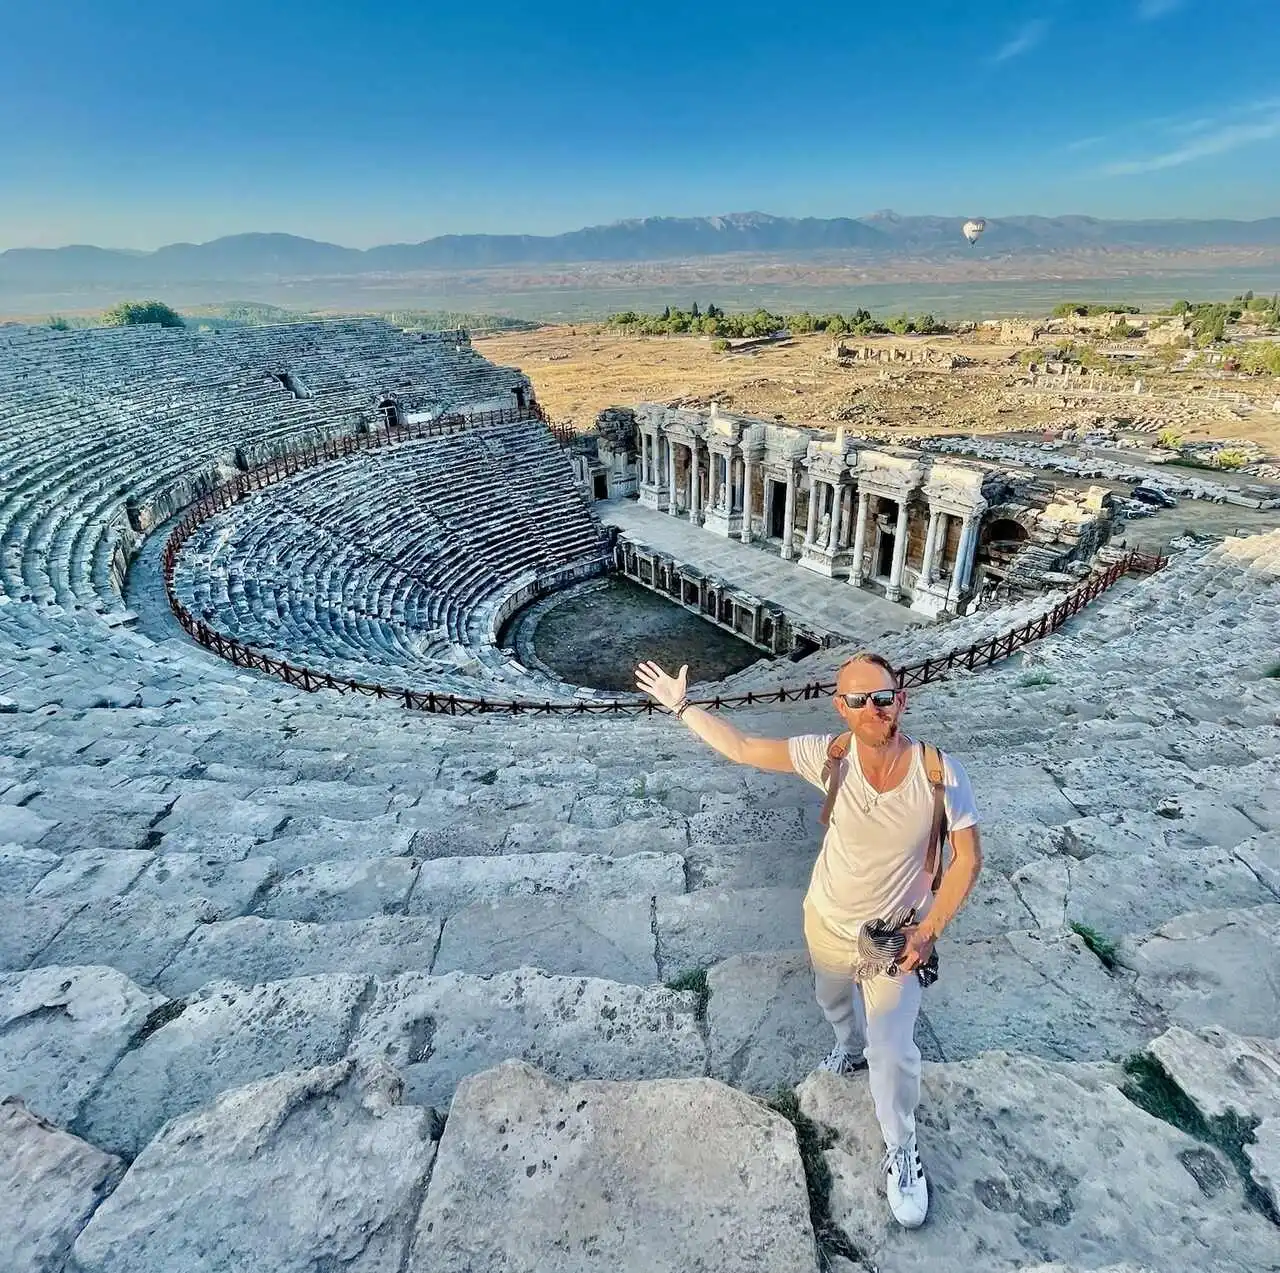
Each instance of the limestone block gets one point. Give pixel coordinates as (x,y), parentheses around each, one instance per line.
(1119,894)
(650,835)
(208,845)
(446,886)
(21,869)
(27,927)
(88,875)
(752,864)
(50,1184)
(227,887)
(1039,992)
(61,1031)
(209,813)
(250,950)
(138,935)
(1199,969)
(1022,1165)
(1222,1072)
(992,908)
(1261,854)
(20,825)
(667,1176)
(301,1171)
(733,825)
(699,929)
(612,939)
(331,891)
(343,801)
(228,1036)
(1009,789)
(438,1030)
(328,839)
(110,818)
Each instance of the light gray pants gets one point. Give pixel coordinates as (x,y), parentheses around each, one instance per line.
(877,1018)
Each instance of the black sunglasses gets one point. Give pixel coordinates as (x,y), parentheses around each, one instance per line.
(878,698)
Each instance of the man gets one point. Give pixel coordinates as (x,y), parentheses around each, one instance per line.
(872,863)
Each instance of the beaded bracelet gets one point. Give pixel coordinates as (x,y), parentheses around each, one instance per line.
(680,708)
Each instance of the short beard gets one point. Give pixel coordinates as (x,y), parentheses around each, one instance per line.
(888,738)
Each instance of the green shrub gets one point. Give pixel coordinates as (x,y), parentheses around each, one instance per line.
(1099,945)
(720,345)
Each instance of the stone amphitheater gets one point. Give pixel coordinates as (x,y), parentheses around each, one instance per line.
(307,981)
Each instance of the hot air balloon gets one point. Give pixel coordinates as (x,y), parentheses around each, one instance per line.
(972,229)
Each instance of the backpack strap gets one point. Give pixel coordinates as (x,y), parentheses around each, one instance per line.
(938,830)
(832,772)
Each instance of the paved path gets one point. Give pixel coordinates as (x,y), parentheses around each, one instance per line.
(807,597)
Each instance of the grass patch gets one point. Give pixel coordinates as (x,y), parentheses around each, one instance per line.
(1148,1085)
(814,1142)
(1036,678)
(1103,947)
(696,981)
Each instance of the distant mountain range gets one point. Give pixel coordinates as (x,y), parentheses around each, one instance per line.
(279,256)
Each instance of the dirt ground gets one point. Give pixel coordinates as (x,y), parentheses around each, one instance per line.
(579,370)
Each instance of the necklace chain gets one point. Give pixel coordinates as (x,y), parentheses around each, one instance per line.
(873,794)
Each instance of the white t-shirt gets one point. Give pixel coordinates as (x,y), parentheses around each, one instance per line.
(873,854)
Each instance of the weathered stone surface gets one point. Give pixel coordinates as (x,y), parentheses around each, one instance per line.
(1039,992)
(764,1027)
(50,1184)
(119,817)
(1120,894)
(1222,1072)
(767,864)
(699,929)
(992,908)
(230,1035)
(447,886)
(438,1030)
(27,926)
(1017,790)
(20,825)
(138,935)
(612,939)
(1264,1159)
(250,950)
(299,1172)
(734,825)
(227,887)
(669,1177)
(21,869)
(331,891)
(1023,1164)
(211,813)
(307,841)
(208,845)
(1261,854)
(88,875)
(652,835)
(61,1031)
(1197,969)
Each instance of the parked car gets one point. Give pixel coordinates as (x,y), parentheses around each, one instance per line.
(1154,495)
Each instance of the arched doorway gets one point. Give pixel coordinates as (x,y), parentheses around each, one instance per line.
(1001,540)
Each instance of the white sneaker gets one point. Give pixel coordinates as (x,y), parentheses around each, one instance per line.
(906,1186)
(841,1061)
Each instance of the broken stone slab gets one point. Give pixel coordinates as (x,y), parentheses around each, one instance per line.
(1221,1072)
(667,1176)
(611,939)
(88,875)
(207,845)
(1013,790)
(311,840)
(227,1036)
(1022,1163)
(1039,992)
(767,864)
(1261,854)
(250,950)
(227,887)
(50,1184)
(651,835)
(993,907)
(1196,969)
(1119,894)
(61,1031)
(137,935)
(27,927)
(22,868)
(212,813)
(732,826)
(602,813)
(699,929)
(116,817)
(438,1030)
(343,801)
(297,1172)
(337,890)
(21,825)
(446,886)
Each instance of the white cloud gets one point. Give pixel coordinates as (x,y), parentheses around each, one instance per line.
(1150,10)
(1023,41)
(1211,139)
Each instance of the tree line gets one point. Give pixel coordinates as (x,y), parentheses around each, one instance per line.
(713,321)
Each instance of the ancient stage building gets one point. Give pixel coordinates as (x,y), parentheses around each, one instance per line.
(927,531)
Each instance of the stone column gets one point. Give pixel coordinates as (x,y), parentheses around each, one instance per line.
(964,560)
(814,499)
(693,482)
(789,517)
(837,518)
(671,478)
(860,537)
(894,590)
(745,533)
(928,566)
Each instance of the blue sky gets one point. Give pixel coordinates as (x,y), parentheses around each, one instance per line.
(141,123)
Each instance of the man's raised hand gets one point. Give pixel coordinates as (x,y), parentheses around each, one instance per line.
(667,690)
